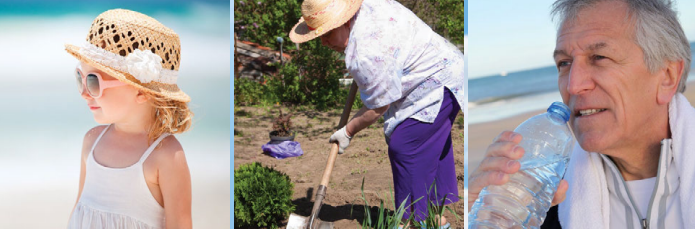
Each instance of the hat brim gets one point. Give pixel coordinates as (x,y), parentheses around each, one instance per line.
(170,91)
(301,33)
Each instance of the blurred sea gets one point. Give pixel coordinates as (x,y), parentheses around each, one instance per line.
(44,118)
(497,97)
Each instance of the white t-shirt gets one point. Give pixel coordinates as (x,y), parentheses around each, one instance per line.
(641,191)
(649,203)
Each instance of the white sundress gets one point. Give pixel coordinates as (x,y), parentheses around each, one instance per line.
(117,198)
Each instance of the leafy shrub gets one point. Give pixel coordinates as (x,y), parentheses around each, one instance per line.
(286,86)
(445,17)
(315,74)
(249,92)
(261,21)
(451,21)
(262,196)
(312,77)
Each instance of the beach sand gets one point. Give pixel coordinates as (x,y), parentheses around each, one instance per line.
(482,134)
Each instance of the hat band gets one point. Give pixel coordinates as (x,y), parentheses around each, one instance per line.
(145,66)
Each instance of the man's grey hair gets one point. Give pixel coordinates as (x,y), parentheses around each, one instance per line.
(657,30)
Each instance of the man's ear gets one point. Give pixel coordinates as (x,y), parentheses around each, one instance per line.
(141,97)
(668,81)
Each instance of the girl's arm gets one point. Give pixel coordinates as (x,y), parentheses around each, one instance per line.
(175,184)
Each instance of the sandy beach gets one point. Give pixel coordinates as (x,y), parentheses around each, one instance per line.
(482,134)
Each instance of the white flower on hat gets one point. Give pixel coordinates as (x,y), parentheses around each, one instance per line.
(144,65)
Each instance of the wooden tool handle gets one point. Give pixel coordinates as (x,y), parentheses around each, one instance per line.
(329,165)
(334,147)
(321,191)
(348,105)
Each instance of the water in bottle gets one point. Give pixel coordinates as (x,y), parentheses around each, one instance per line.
(524,200)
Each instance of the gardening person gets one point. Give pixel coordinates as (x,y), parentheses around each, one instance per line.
(622,67)
(406,73)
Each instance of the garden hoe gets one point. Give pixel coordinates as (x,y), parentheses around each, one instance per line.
(312,222)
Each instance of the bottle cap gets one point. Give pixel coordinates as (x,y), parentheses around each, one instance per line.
(560,109)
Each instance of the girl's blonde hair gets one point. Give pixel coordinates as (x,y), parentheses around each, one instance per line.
(170,116)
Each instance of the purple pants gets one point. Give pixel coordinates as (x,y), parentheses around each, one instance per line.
(421,154)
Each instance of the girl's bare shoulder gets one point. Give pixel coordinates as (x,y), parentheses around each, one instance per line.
(90,137)
(93,133)
(169,152)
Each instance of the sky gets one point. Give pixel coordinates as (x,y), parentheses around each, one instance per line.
(509,36)
(202,27)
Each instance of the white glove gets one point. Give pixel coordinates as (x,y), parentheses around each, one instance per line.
(341,137)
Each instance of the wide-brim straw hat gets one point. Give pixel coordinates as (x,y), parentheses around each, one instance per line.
(136,49)
(322,16)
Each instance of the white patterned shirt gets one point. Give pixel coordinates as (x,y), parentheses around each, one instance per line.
(398,60)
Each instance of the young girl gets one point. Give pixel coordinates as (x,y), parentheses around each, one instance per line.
(133,171)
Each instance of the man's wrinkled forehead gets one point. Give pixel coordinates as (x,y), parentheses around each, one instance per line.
(592,47)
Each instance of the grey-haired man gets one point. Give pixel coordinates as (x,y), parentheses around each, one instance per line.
(622,65)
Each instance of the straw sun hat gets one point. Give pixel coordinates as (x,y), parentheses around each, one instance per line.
(322,16)
(136,49)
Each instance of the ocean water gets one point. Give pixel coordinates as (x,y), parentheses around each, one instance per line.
(44,119)
(497,97)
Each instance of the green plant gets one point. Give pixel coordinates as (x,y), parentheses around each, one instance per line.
(282,125)
(262,196)
(312,77)
(436,210)
(386,219)
(287,86)
(249,92)
(445,17)
(315,73)
(261,21)
(451,21)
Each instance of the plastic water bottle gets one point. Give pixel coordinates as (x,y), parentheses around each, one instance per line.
(524,201)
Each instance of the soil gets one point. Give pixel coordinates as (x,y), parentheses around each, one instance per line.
(366,158)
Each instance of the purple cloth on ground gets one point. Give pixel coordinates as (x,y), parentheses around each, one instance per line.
(283,150)
(422,154)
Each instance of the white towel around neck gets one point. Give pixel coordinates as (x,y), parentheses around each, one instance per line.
(587,205)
